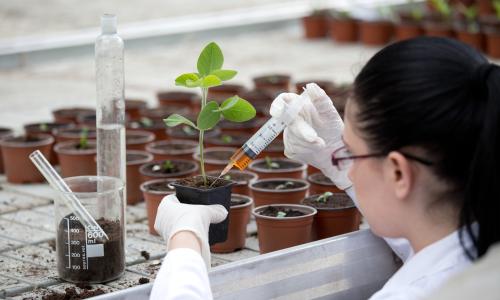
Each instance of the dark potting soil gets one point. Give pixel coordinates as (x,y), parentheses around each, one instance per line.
(238,201)
(155,124)
(276,146)
(272,211)
(161,186)
(280,185)
(222,155)
(178,167)
(134,157)
(92,133)
(236,125)
(90,269)
(239,178)
(71,294)
(335,201)
(319,178)
(25,139)
(176,146)
(44,127)
(283,165)
(197,182)
(143,280)
(229,139)
(145,254)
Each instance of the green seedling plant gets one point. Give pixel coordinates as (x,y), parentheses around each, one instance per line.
(284,186)
(496,6)
(270,164)
(281,214)
(470,13)
(226,138)
(43,127)
(210,74)
(416,11)
(443,8)
(84,139)
(167,166)
(324,197)
(227,177)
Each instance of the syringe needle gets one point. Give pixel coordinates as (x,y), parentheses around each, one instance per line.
(226,169)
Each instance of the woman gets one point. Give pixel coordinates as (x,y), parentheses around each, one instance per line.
(420,146)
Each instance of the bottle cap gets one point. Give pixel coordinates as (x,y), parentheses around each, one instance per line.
(108,24)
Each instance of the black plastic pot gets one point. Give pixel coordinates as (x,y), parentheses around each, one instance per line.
(218,195)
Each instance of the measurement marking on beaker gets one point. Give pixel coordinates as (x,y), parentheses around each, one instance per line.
(69,247)
(86,254)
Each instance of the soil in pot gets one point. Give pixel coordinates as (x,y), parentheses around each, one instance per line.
(278,191)
(154,191)
(239,216)
(87,119)
(278,168)
(175,168)
(172,149)
(154,126)
(225,91)
(192,190)
(344,30)
(260,99)
(47,128)
(321,184)
(273,84)
(4,133)
(283,226)
(315,25)
(135,159)
(74,133)
(76,160)
(336,215)
(162,112)
(228,140)
(185,132)
(133,108)
(173,98)
(15,154)
(275,150)
(242,180)
(70,115)
(216,158)
(137,140)
(326,85)
(248,127)
(376,33)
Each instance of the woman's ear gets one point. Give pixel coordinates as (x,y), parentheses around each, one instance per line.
(400,175)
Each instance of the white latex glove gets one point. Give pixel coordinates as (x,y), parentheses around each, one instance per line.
(315,133)
(174,216)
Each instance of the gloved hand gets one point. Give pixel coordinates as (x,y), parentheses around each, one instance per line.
(315,133)
(174,216)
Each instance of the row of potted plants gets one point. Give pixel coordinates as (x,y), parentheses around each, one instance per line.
(476,23)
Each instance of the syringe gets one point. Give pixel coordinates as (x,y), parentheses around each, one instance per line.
(265,135)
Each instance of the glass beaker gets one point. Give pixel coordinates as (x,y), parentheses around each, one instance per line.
(83,254)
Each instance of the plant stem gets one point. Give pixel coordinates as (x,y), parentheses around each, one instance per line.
(204,93)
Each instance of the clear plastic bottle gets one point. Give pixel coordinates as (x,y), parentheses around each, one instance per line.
(110,114)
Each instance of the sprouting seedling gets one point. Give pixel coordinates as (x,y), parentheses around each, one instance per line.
(416,11)
(443,8)
(284,186)
(84,138)
(43,127)
(281,214)
(226,138)
(146,122)
(210,74)
(270,164)
(188,130)
(324,197)
(470,13)
(227,177)
(496,6)
(167,166)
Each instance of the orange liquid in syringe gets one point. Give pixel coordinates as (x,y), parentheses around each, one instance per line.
(240,159)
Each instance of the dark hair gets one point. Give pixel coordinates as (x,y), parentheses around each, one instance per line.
(443,97)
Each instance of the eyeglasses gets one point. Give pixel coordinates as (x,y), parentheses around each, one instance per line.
(342,158)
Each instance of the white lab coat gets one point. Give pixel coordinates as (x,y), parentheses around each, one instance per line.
(183,274)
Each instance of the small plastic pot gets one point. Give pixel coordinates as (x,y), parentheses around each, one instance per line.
(216,158)
(344,30)
(4,133)
(135,159)
(273,83)
(172,149)
(242,180)
(47,128)
(321,184)
(74,133)
(438,29)
(326,85)
(287,168)
(187,100)
(154,191)
(70,115)
(156,127)
(76,162)
(248,127)
(473,39)
(217,195)
(239,216)
(228,140)
(276,233)
(15,155)
(375,33)
(275,150)
(162,112)
(315,26)
(138,139)
(264,191)
(133,107)
(185,132)
(225,91)
(405,31)
(187,168)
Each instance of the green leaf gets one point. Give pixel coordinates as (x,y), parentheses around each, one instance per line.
(209,116)
(210,81)
(240,111)
(181,80)
(224,75)
(176,119)
(210,59)
(190,83)
(228,103)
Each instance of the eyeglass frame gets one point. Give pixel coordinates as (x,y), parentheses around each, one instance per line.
(335,160)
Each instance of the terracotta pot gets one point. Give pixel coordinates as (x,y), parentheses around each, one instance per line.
(15,154)
(216,158)
(87,119)
(184,132)
(287,168)
(162,112)
(157,127)
(218,194)
(153,192)
(405,31)
(225,91)
(344,30)
(187,168)
(4,133)
(133,108)
(315,26)
(263,191)
(475,40)
(273,84)
(239,216)
(76,162)
(228,140)
(275,150)
(135,159)
(376,33)
(326,85)
(493,44)
(279,233)
(321,184)
(47,128)
(172,149)
(248,127)
(138,139)
(312,170)
(439,29)
(74,133)
(242,180)
(187,100)
(70,115)
(260,99)
(485,7)
(337,216)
